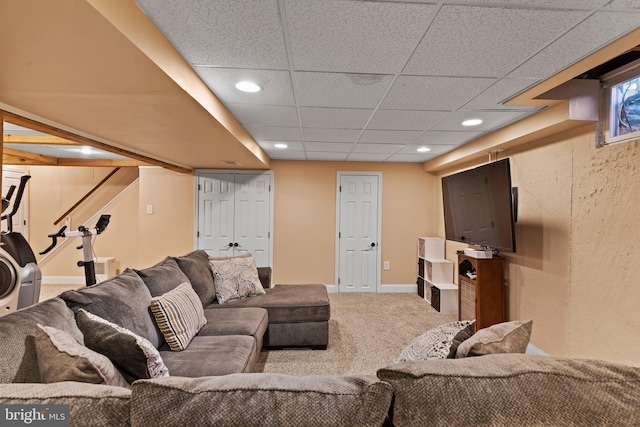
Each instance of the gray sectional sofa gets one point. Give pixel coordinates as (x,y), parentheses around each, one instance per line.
(212,382)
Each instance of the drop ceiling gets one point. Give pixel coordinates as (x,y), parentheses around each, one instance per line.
(344,80)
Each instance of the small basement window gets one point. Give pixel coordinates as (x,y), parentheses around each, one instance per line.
(619,119)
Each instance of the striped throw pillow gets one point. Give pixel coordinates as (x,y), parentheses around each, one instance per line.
(179,315)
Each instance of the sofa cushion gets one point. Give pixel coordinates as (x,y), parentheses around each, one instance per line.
(212,355)
(62,358)
(251,321)
(506,337)
(89,404)
(123,300)
(235,277)
(179,315)
(132,354)
(17,338)
(268,400)
(290,303)
(514,390)
(162,277)
(196,267)
(438,343)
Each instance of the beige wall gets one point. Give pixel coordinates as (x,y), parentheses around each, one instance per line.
(576,236)
(305,218)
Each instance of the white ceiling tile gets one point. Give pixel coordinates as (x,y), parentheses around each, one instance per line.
(286,155)
(518,32)
(405,119)
(291,146)
(435,150)
(490,120)
(503,89)
(354,36)
(343,118)
(337,147)
(377,148)
(330,135)
(340,90)
(274,133)
(264,115)
(367,157)
(201,31)
(326,156)
(410,158)
(433,93)
(631,4)
(597,31)
(558,4)
(65,151)
(388,136)
(276,85)
(430,138)
(11,129)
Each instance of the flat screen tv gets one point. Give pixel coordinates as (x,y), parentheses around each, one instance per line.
(479,207)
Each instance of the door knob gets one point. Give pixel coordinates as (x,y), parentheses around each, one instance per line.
(230,244)
(235,244)
(373,245)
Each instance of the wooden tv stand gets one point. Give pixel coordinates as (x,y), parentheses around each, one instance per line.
(482,298)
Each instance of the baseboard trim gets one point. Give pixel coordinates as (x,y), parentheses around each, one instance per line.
(384,289)
(63,280)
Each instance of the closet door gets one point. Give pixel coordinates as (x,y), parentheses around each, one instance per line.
(234,214)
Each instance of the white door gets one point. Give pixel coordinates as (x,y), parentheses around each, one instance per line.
(234,215)
(358,232)
(19,220)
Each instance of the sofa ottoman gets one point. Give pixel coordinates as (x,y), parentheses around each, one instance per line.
(298,315)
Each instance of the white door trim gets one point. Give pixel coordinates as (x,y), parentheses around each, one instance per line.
(379,225)
(200,172)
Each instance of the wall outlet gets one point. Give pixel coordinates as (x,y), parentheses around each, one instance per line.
(149,209)
(387,265)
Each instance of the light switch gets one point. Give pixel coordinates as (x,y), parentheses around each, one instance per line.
(387,265)
(149,209)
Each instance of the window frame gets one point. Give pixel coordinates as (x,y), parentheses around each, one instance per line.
(607,82)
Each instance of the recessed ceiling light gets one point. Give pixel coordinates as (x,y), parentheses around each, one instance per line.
(472,122)
(247,86)
(280,145)
(423,149)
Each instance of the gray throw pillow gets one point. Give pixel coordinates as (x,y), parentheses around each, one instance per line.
(132,354)
(196,267)
(62,358)
(439,342)
(180,315)
(506,337)
(123,300)
(162,277)
(235,277)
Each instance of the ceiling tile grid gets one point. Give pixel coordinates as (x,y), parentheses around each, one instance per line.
(368,80)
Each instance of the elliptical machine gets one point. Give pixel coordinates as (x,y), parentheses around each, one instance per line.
(20,276)
(87,245)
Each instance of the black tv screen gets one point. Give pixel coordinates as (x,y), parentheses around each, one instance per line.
(478,206)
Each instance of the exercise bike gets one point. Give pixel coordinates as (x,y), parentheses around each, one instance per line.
(87,245)
(20,276)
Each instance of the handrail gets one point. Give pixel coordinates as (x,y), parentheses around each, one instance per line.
(86,196)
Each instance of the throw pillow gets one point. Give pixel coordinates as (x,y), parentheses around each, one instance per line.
(123,300)
(179,315)
(439,342)
(196,267)
(62,358)
(507,337)
(235,277)
(162,277)
(132,354)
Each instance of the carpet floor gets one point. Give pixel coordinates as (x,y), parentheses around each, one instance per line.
(367,331)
